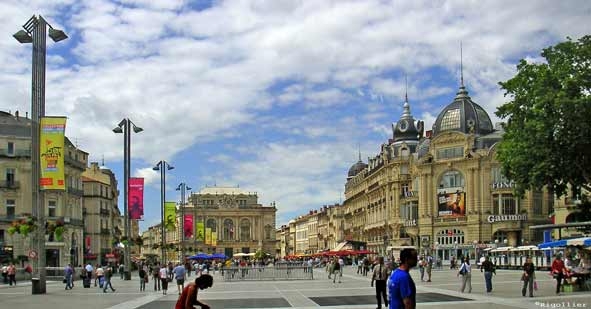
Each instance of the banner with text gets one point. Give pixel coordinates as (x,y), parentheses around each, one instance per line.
(451,204)
(214,238)
(208,236)
(170,216)
(188,226)
(200,231)
(51,149)
(135,198)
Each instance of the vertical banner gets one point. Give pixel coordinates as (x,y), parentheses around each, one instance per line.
(170,216)
(51,148)
(208,236)
(214,238)
(136,198)
(200,231)
(188,226)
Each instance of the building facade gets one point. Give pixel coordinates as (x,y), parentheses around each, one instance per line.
(63,209)
(102,230)
(240,224)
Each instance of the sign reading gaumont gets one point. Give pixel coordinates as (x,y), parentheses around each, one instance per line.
(501,218)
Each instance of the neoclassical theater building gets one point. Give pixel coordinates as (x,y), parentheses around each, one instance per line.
(441,190)
(239,222)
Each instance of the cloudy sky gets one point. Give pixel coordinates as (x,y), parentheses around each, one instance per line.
(274,96)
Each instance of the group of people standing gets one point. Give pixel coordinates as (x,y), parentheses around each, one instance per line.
(9,274)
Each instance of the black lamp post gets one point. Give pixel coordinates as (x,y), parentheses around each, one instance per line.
(123,127)
(35,31)
(162,166)
(183,188)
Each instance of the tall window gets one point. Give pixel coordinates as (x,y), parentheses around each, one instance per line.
(537,202)
(505,204)
(451,179)
(409,211)
(10,208)
(228,229)
(10,177)
(497,176)
(51,208)
(10,148)
(211,224)
(244,229)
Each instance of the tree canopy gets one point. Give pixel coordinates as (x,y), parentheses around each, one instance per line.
(547,139)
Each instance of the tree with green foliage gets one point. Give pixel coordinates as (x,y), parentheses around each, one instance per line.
(547,139)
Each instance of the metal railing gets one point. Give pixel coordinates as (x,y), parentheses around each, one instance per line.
(279,272)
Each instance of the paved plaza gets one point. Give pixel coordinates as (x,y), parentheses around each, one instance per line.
(353,292)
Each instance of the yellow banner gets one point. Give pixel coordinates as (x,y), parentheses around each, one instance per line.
(170,216)
(208,236)
(199,231)
(51,148)
(214,238)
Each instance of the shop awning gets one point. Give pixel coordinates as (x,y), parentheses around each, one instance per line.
(583,241)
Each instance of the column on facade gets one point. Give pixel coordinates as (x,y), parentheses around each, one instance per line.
(471,192)
(423,196)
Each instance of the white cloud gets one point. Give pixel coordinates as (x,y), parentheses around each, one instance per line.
(150,176)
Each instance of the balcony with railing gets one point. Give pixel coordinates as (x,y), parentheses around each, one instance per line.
(75,163)
(16,153)
(10,184)
(75,191)
(104,211)
(105,231)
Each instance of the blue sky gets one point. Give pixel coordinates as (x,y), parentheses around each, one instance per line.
(274,96)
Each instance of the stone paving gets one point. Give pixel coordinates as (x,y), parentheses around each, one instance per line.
(354,292)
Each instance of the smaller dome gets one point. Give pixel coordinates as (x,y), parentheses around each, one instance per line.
(356,168)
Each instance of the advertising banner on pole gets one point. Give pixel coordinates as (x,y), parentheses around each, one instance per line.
(136,198)
(451,204)
(208,236)
(51,149)
(214,238)
(199,231)
(170,216)
(188,226)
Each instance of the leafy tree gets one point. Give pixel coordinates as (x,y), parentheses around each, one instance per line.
(547,140)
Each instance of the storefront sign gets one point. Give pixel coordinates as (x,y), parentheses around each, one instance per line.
(501,218)
(503,185)
(412,222)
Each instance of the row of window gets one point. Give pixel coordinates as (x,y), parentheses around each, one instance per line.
(11,208)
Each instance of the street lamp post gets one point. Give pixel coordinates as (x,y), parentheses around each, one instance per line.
(183,188)
(35,31)
(124,127)
(162,166)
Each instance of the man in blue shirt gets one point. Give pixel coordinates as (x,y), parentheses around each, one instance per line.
(179,274)
(401,286)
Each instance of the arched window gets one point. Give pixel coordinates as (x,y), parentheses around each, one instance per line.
(228,229)
(451,180)
(244,229)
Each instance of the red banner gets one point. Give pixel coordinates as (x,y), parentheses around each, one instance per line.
(188,226)
(135,197)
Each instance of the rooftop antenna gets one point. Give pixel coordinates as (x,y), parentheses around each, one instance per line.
(359,147)
(461,66)
(103,160)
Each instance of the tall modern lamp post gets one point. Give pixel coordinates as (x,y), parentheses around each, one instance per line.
(183,188)
(124,127)
(35,31)
(162,166)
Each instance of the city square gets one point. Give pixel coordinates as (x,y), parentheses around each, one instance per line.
(271,139)
(353,292)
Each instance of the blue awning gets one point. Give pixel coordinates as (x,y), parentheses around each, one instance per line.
(583,241)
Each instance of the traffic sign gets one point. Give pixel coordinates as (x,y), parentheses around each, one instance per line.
(32,254)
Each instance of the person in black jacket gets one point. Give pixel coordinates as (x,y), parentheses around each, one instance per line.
(528,277)
(489,269)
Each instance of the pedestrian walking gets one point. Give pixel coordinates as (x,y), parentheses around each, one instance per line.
(89,270)
(143,276)
(380,275)
(156,277)
(163,275)
(422,263)
(401,288)
(179,274)
(108,276)
(489,269)
(5,274)
(11,272)
(336,270)
(429,267)
(558,271)
(121,271)
(466,273)
(69,276)
(528,277)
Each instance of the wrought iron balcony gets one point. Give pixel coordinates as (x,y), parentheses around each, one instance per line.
(10,184)
(75,191)
(105,231)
